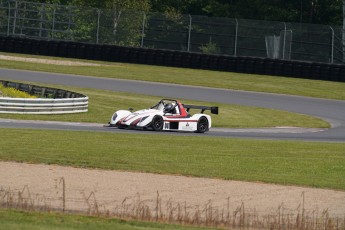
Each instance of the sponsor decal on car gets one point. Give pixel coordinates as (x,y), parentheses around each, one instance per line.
(186,127)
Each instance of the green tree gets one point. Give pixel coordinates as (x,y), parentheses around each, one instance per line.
(307,11)
(119,15)
(141,5)
(194,7)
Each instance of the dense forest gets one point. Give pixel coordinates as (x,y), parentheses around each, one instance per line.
(304,11)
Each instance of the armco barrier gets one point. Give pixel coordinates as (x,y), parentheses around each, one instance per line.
(60,101)
(43,106)
(252,65)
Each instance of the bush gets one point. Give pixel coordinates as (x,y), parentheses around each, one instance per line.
(12,92)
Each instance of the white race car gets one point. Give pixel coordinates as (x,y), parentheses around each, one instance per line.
(168,114)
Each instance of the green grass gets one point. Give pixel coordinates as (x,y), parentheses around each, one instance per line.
(11,219)
(227,80)
(102,104)
(282,162)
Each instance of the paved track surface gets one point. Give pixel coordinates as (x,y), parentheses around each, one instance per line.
(332,111)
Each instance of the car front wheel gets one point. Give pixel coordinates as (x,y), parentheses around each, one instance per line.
(157,123)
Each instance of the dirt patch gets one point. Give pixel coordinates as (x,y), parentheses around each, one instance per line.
(48,61)
(112,188)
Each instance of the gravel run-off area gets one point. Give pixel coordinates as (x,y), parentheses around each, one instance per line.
(111,188)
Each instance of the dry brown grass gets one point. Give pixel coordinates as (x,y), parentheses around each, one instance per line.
(171,212)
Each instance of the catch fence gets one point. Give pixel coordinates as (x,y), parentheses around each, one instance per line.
(211,35)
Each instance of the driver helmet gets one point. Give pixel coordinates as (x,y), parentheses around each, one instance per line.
(168,108)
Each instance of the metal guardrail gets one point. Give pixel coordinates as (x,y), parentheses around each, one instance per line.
(251,65)
(43,106)
(62,101)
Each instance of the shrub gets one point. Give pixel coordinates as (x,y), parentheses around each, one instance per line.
(12,92)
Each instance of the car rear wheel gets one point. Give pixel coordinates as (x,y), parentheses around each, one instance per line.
(157,123)
(202,125)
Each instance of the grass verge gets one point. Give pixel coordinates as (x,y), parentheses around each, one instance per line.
(227,80)
(11,219)
(283,162)
(102,104)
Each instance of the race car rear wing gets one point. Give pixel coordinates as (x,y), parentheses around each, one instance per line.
(214,110)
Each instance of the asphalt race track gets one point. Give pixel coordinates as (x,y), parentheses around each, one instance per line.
(332,111)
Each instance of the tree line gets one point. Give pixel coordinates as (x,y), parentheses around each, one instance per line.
(304,11)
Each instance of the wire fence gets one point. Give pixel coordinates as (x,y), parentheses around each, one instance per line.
(224,36)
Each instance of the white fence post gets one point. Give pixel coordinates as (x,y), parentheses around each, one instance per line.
(41,19)
(236,33)
(284,42)
(15,18)
(343,31)
(143,30)
(332,49)
(53,24)
(98,20)
(9,18)
(189,32)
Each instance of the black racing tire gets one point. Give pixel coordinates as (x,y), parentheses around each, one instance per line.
(157,123)
(202,125)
